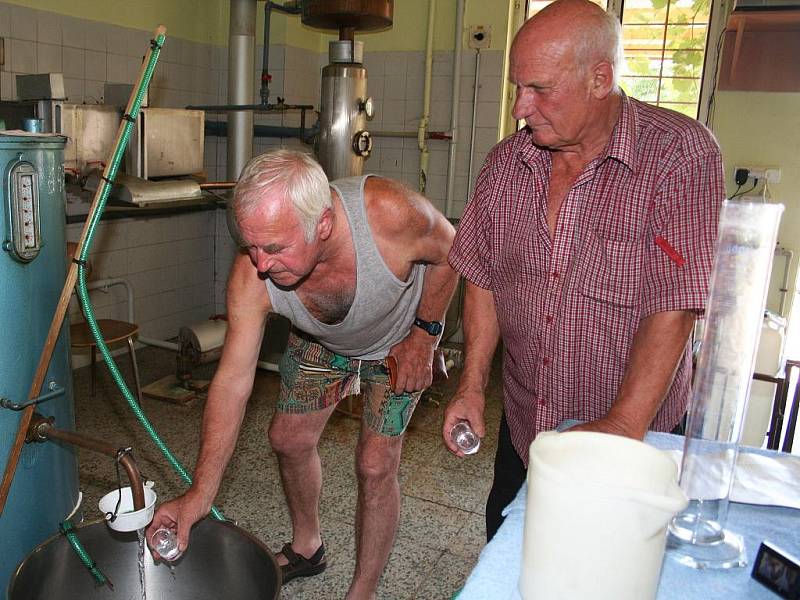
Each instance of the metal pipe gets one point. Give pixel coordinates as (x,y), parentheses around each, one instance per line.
(424,155)
(41,428)
(474,120)
(241,61)
(218,185)
(220,128)
(451,160)
(431,135)
(784,289)
(265,77)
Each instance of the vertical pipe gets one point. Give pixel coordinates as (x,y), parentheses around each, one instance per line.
(474,119)
(451,162)
(424,155)
(241,65)
(265,54)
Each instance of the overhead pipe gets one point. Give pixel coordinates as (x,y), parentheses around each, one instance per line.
(241,63)
(424,154)
(451,160)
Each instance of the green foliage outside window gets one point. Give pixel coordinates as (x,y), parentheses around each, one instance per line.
(665,44)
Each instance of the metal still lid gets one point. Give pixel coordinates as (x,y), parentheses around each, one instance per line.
(361,15)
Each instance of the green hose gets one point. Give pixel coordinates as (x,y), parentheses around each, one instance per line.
(69,531)
(83,293)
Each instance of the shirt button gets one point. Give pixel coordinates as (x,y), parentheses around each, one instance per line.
(555,274)
(549,318)
(545,361)
(542,402)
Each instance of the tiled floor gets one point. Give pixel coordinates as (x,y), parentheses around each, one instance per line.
(441,527)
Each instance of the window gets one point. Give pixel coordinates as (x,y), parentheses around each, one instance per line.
(664,48)
(665,43)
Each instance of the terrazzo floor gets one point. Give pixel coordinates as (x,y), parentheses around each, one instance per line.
(441,525)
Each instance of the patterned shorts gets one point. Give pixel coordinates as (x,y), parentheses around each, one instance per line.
(313,378)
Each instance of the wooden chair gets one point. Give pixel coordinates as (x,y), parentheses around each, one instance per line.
(113,332)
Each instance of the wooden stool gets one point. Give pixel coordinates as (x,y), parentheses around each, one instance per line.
(113,332)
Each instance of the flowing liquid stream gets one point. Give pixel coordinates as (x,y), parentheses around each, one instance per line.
(140,561)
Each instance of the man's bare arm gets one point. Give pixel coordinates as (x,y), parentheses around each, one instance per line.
(248,306)
(657,347)
(481,335)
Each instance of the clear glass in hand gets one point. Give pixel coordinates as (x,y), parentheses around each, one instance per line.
(165,542)
(465,438)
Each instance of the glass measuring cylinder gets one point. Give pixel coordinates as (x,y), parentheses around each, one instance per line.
(742,264)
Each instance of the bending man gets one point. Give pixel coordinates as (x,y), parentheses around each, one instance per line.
(360,268)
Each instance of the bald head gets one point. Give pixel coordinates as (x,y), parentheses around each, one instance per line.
(577,30)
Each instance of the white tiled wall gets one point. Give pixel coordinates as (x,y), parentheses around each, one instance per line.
(91,53)
(169,262)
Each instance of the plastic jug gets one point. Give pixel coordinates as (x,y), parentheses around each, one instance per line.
(596,518)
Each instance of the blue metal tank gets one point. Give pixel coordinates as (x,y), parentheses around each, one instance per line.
(32,272)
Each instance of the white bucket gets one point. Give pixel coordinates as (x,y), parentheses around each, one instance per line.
(128,519)
(595,524)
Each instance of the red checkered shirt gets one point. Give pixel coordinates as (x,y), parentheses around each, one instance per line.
(634,237)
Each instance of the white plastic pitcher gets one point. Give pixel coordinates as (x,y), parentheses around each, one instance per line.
(595,523)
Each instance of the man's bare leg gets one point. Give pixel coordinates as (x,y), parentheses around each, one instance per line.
(378,509)
(294,439)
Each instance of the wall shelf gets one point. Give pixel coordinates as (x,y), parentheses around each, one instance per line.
(760,51)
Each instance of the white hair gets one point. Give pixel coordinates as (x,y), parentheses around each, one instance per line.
(604,42)
(294,175)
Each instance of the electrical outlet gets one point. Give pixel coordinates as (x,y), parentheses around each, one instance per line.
(768,174)
(480,36)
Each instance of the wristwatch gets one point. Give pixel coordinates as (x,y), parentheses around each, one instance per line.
(432,327)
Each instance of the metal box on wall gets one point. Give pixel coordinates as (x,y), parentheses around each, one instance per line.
(91,130)
(166,142)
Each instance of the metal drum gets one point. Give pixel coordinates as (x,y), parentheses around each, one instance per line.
(32,271)
(223,561)
(344,141)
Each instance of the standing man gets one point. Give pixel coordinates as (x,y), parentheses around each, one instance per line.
(587,247)
(360,268)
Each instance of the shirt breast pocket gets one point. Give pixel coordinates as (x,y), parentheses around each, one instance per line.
(613,271)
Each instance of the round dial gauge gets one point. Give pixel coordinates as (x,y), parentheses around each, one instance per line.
(362,143)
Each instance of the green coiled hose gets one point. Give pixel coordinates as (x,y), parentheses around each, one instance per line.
(83,293)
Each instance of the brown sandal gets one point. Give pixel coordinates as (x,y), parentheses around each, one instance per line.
(299,565)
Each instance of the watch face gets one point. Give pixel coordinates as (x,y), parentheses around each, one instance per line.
(432,327)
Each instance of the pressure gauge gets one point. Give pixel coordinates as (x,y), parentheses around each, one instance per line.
(362,143)
(367,107)
(23,238)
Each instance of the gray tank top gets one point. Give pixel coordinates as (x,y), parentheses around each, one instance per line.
(384,307)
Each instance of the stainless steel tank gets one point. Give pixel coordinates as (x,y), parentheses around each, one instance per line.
(344,141)
(223,561)
(32,270)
